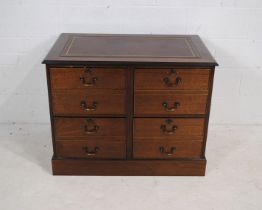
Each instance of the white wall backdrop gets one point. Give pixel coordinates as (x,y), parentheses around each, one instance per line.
(232,30)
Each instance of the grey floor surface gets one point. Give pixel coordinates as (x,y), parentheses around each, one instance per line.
(233,179)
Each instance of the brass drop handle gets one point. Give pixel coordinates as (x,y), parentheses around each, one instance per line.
(168,81)
(168,131)
(91,130)
(92,152)
(88,84)
(90,127)
(168,153)
(92,80)
(170,109)
(84,106)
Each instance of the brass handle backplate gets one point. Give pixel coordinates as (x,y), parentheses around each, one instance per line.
(90,127)
(171,129)
(168,81)
(93,107)
(171,109)
(88,84)
(92,80)
(92,130)
(89,152)
(171,152)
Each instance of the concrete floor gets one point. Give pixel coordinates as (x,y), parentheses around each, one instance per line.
(233,179)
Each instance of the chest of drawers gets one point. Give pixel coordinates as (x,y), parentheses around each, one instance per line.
(129,104)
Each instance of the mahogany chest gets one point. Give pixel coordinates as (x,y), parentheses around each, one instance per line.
(129,104)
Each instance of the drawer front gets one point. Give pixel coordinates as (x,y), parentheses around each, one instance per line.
(87,128)
(87,78)
(91,149)
(170,104)
(168,129)
(84,103)
(171,79)
(167,150)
